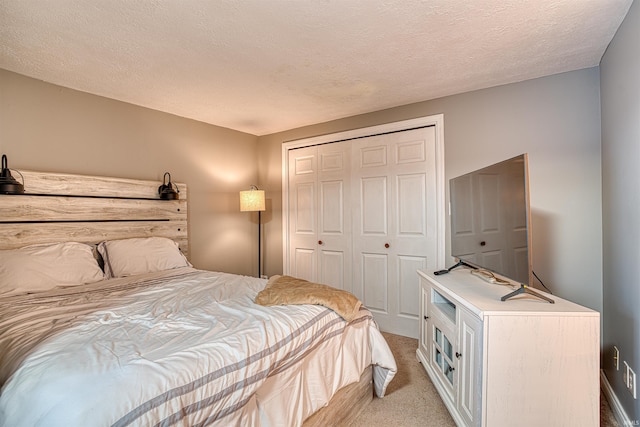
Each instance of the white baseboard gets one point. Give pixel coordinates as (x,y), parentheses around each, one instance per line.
(617,409)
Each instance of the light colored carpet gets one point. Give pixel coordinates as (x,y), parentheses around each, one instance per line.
(412,400)
(606,414)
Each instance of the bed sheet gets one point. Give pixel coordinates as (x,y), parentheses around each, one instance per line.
(184,347)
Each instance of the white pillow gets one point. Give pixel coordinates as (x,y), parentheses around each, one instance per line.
(42,267)
(129,257)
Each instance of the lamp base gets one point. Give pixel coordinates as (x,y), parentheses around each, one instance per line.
(11,188)
(169,196)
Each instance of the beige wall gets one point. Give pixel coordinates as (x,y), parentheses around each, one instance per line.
(50,128)
(555,119)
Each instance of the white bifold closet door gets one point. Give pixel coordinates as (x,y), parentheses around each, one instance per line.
(320,214)
(394,224)
(363,217)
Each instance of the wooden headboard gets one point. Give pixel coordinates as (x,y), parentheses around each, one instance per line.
(89,209)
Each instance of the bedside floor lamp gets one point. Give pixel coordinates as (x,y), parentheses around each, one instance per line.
(253,201)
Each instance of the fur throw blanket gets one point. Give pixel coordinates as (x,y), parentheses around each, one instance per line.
(283,290)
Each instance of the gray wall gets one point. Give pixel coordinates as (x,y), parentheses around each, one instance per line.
(49,128)
(555,119)
(620,92)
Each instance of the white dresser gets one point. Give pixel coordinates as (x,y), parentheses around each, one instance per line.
(521,362)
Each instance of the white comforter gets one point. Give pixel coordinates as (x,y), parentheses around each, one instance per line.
(184,347)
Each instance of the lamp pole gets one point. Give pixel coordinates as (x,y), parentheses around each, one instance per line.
(251,201)
(259,246)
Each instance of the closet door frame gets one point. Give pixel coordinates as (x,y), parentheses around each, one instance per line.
(435,120)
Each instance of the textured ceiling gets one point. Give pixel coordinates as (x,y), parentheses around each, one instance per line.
(262,66)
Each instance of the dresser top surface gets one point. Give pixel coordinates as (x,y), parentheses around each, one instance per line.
(484,298)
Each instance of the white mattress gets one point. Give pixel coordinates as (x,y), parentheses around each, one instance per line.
(184,347)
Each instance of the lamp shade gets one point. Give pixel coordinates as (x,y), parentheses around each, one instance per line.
(252,200)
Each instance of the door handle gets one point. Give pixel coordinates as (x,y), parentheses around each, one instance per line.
(386,245)
(319,242)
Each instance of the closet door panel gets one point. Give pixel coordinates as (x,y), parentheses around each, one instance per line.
(333,161)
(374,206)
(373,156)
(305,263)
(412,151)
(332,266)
(304,164)
(332,207)
(412,216)
(375,275)
(305,208)
(409,306)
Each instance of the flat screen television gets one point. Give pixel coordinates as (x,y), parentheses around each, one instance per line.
(490,219)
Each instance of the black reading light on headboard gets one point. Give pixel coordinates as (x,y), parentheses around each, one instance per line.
(8,184)
(166,190)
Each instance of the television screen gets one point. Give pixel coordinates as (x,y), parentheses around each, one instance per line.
(490,219)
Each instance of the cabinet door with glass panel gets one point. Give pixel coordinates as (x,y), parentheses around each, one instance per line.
(443,336)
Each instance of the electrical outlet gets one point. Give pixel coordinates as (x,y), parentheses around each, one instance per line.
(629,378)
(616,358)
(625,372)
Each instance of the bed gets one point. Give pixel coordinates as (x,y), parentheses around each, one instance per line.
(149,340)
